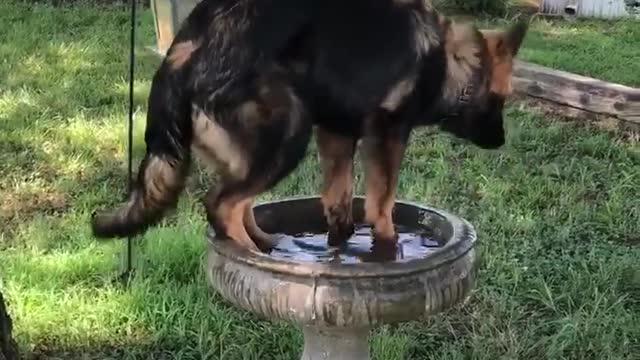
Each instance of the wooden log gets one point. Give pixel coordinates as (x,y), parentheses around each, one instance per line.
(568,113)
(580,92)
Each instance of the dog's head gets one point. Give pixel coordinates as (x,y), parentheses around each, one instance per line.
(478,79)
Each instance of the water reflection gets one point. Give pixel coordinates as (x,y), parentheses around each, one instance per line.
(360,248)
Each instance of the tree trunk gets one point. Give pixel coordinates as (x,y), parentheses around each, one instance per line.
(8,347)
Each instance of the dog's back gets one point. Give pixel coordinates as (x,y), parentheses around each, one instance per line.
(230,90)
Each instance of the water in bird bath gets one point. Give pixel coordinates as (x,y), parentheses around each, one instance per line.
(312,247)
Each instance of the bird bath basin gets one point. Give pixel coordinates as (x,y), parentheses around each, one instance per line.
(337,295)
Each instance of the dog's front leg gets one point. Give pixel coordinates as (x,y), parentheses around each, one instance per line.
(336,154)
(383,147)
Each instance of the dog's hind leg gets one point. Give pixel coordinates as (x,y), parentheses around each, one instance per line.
(229,207)
(226,215)
(259,141)
(263,240)
(336,154)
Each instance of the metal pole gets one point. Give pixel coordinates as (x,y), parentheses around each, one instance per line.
(126,274)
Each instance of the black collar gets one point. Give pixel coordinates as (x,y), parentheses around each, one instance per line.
(464,98)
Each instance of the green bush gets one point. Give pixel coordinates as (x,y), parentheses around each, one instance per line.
(491,7)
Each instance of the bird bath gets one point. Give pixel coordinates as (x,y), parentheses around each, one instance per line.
(337,296)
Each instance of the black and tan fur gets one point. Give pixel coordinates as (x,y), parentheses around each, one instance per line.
(245,80)
(219,93)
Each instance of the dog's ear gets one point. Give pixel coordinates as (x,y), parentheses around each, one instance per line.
(503,46)
(514,37)
(505,43)
(444,22)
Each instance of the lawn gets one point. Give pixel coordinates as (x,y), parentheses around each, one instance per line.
(599,49)
(557,213)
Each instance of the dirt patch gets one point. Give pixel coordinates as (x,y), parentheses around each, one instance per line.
(18,207)
(25,204)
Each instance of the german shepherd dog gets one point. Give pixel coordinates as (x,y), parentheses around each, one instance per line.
(245,81)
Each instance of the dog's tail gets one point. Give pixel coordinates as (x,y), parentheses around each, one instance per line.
(163,171)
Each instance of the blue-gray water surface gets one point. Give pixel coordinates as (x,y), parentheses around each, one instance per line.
(359,248)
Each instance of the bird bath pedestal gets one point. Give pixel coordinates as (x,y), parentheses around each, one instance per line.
(336,301)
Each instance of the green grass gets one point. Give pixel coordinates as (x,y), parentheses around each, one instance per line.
(557,213)
(600,49)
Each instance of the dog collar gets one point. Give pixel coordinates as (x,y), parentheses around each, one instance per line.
(464,98)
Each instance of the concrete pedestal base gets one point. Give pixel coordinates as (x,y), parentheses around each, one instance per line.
(335,344)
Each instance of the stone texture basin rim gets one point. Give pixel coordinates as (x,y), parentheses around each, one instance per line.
(359,295)
(458,235)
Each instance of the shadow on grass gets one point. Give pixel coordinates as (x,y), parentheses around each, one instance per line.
(63,125)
